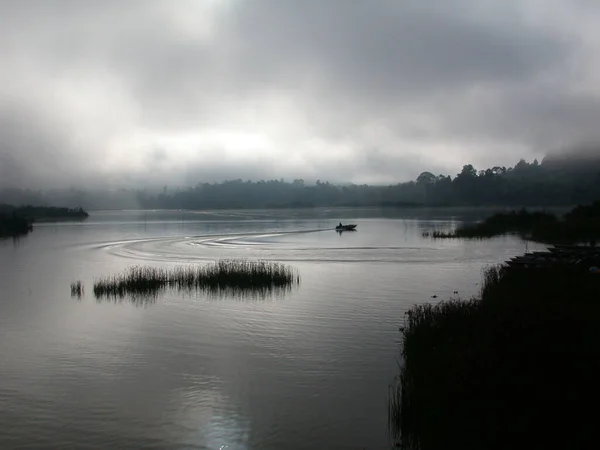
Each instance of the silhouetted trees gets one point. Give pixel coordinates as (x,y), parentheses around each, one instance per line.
(32,213)
(521,185)
(12,225)
(565,181)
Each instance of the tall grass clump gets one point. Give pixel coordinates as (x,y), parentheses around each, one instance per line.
(224,275)
(520,364)
(76,289)
(140,300)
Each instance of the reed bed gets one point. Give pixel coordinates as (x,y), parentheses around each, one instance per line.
(144,299)
(581,225)
(233,276)
(77,289)
(520,222)
(504,368)
(139,300)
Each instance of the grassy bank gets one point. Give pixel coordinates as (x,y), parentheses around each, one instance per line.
(518,365)
(227,275)
(582,224)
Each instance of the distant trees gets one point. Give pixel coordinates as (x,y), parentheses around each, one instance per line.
(32,213)
(426,178)
(566,182)
(521,185)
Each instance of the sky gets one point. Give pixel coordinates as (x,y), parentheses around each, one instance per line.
(126,92)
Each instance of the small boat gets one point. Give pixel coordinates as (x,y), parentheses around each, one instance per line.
(341,227)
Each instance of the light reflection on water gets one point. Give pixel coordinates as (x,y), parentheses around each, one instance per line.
(306,369)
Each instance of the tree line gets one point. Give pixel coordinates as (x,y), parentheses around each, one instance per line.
(552,182)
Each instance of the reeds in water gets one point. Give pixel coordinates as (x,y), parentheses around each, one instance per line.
(77,289)
(437,234)
(497,371)
(140,300)
(222,276)
(579,226)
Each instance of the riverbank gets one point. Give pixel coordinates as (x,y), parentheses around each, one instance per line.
(517,365)
(581,224)
(14,226)
(18,220)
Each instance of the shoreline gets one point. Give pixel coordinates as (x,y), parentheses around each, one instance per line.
(19,220)
(502,368)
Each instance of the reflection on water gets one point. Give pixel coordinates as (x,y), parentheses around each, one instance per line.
(139,300)
(226,429)
(77,289)
(210,369)
(255,293)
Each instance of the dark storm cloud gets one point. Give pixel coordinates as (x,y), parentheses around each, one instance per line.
(104,91)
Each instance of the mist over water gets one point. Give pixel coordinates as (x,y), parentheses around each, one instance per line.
(145,106)
(306,369)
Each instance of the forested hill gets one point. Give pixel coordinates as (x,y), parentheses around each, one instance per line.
(555,181)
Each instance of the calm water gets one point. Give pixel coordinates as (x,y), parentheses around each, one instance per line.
(310,369)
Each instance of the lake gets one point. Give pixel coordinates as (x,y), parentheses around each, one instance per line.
(306,369)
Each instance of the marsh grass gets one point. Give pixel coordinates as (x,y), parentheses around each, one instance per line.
(77,289)
(520,363)
(520,222)
(234,277)
(394,411)
(459,233)
(144,299)
(140,300)
(581,225)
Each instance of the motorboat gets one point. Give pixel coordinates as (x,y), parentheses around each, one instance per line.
(348,227)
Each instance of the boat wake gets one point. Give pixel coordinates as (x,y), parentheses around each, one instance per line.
(284,246)
(200,247)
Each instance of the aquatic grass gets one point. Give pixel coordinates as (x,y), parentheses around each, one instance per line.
(225,275)
(257,293)
(581,225)
(144,299)
(456,234)
(77,289)
(521,222)
(503,368)
(140,300)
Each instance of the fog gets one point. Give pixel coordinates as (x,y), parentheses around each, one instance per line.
(140,93)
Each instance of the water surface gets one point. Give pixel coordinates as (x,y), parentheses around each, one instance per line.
(309,369)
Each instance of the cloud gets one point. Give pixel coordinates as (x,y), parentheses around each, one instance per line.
(155,91)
